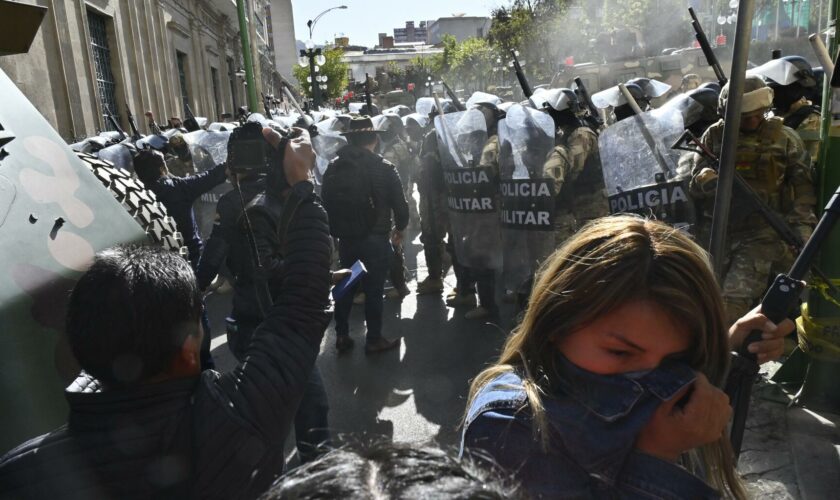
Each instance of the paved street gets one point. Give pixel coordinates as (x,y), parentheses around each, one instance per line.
(418,393)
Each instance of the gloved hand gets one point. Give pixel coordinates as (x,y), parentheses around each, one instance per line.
(705,182)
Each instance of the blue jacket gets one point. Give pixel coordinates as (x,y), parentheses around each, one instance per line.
(593,424)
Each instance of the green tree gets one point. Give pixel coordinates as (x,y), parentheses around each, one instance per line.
(334,68)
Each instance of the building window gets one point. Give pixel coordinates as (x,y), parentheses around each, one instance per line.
(182,78)
(102,63)
(214,75)
(232,79)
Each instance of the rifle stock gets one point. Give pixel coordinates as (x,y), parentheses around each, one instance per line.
(711,58)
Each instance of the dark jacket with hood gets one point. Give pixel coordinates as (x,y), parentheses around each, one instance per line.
(210,436)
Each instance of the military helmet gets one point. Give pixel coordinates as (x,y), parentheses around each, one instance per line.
(650,88)
(690,82)
(758,97)
(787,70)
(557,99)
(707,98)
(711,85)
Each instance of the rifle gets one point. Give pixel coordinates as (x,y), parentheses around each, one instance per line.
(135,134)
(779,300)
(457,102)
(113,122)
(776,222)
(592,116)
(711,58)
(191,124)
(266,106)
(368,98)
(520,75)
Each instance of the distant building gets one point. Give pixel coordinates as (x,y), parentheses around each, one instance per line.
(461,27)
(159,56)
(374,61)
(342,41)
(281,29)
(411,33)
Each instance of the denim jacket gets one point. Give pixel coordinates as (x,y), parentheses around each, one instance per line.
(593,423)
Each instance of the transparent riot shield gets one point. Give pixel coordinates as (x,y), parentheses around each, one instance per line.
(471,189)
(526,137)
(119,155)
(208,149)
(327,144)
(640,168)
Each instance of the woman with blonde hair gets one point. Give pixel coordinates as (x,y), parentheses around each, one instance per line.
(610,385)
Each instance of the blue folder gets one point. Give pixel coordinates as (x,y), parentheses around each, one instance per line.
(356,272)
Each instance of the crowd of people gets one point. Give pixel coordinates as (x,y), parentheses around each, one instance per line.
(609,386)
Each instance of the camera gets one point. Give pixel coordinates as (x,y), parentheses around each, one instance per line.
(250,154)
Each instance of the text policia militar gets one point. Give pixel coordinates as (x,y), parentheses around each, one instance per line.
(528,204)
(470,190)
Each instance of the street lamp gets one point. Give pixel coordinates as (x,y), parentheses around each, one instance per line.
(315,58)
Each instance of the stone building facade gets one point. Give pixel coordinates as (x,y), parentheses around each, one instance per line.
(138,55)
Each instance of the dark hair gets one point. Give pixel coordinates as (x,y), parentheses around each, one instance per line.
(389,470)
(362,139)
(129,314)
(147,165)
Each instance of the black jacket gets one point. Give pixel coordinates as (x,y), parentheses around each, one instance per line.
(212,436)
(178,195)
(388,194)
(227,243)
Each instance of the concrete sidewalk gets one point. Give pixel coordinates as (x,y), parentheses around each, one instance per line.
(790,452)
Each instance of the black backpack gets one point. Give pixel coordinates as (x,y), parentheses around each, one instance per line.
(348,198)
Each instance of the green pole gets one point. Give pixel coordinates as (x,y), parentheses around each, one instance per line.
(246,56)
(821,338)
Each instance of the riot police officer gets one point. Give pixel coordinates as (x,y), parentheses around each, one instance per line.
(472,276)
(791,77)
(434,217)
(773,160)
(574,164)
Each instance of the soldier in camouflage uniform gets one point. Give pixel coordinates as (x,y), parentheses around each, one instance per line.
(484,280)
(394,149)
(790,104)
(772,159)
(434,215)
(574,164)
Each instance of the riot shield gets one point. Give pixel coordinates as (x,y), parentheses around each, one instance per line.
(471,190)
(640,168)
(327,144)
(208,149)
(119,155)
(526,137)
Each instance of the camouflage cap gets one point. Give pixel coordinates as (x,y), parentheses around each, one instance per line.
(758,97)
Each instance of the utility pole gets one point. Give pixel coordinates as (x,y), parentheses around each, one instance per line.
(250,82)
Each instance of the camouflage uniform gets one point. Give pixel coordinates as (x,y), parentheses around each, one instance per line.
(575,166)
(434,217)
(397,153)
(809,127)
(774,162)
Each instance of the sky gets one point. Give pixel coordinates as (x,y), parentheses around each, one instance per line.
(363,20)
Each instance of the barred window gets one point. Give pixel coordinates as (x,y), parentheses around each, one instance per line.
(102,64)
